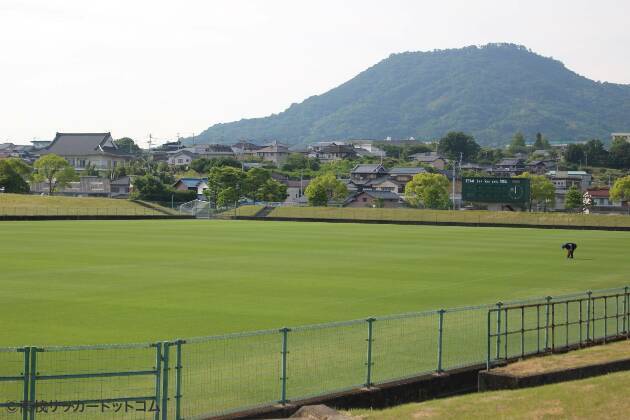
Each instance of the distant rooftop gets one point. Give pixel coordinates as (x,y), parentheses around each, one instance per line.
(82,144)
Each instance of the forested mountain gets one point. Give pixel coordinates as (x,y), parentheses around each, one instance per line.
(491,92)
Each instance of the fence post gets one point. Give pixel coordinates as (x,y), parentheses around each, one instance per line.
(580,324)
(489,339)
(27,373)
(566,319)
(178,380)
(548,299)
(506,334)
(626,317)
(499,305)
(370,339)
(553,327)
(440,339)
(158,373)
(588,316)
(285,337)
(165,372)
(32,399)
(537,328)
(605,318)
(522,331)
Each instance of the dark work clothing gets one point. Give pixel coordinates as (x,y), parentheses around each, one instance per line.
(570,247)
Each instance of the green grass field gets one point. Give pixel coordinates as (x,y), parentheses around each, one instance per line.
(604,397)
(75,282)
(83,282)
(468,216)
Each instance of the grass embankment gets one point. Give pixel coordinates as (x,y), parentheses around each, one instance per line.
(467,216)
(574,359)
(37,205)
(604,397)
(249,210)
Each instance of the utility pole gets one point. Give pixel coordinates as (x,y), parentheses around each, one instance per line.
(453,182)
(150,141)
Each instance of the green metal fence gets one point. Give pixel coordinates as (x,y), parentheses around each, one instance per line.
(556,324)
(206,376)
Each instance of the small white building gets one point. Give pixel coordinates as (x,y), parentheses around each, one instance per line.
(622,136)
(181,157)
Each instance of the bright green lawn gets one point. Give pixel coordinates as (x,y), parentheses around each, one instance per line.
(78,282)
(604,397)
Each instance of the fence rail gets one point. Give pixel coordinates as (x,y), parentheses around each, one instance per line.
(206,376)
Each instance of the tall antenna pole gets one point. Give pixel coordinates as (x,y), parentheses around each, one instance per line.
(150,141)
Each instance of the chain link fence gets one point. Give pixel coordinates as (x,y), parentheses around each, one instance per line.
(217,375)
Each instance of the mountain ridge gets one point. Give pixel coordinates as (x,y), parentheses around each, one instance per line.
(490,91)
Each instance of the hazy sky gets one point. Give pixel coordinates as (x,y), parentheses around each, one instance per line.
(136,67)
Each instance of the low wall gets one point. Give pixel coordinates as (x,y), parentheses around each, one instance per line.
(492,381)
(385,395)
(428,223)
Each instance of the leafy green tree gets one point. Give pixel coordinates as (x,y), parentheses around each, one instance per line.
(595,154)
(620,154)
(53,170)
(149,187)
(620,190)
(517,145)
(203,165)
(325,188)
(457,142)
(221,178)
(254,179)
(20,167)
(297,161)
(541,188)
(118,172)
(428,191)
(127,145)
(541,142)
(573,199)
(403,152)
(488,155)
(163,171)
(574,153)
(271,190)
(227,197)
(11,181)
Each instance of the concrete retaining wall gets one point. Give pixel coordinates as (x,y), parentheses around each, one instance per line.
(390,394)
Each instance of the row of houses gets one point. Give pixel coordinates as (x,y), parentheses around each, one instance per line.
(274,152)
(100,151)
(374,185)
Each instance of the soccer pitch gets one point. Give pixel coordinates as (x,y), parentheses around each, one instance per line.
(84,282)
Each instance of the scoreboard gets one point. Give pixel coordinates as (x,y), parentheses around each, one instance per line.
(496,190)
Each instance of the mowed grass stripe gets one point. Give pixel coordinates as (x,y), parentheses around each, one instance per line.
(79,282)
